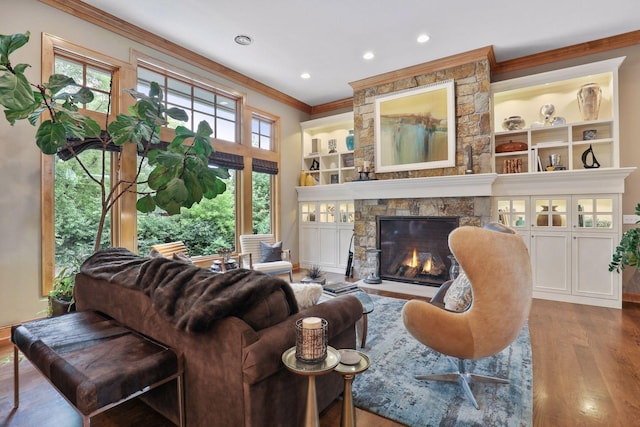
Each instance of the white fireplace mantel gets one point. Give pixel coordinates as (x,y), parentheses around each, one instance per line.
(605,180)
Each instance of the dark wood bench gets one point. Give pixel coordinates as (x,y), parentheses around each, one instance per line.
(94,362)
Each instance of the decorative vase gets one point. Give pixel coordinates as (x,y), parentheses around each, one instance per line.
(589,97)
(349,141)
(542,220)
(309,181)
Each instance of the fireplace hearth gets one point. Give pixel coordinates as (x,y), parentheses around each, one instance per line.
(415,249)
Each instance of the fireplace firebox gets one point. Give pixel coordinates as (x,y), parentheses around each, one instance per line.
(415,249)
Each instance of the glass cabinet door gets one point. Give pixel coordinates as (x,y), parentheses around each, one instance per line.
(513,212)
(347,212)
(327,212)
(308,212)
(551,213)
(594,213)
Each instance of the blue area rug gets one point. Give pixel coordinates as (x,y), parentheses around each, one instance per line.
(389,389)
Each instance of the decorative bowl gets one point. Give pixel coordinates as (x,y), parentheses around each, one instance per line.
(513,123)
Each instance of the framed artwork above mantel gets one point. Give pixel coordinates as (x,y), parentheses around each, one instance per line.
(415,129)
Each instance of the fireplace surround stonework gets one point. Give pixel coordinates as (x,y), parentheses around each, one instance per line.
(473,129)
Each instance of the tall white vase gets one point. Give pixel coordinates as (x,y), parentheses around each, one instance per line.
(589,97)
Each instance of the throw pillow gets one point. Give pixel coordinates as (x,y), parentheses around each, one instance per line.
(459,295)
(307,294)
(270,253)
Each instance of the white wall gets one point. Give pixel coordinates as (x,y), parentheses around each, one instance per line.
(20,159)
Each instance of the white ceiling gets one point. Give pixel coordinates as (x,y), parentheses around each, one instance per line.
(327,38)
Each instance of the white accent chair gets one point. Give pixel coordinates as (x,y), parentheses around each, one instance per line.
(250,246)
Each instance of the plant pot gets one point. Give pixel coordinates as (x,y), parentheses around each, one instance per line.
(59,307)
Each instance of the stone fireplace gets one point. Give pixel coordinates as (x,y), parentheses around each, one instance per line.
(436,193)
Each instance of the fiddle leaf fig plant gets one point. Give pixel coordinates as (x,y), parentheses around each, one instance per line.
(180,175)
(627,252)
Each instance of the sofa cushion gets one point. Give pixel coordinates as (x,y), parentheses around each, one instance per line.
(307,294)
(270,253)
(459,294)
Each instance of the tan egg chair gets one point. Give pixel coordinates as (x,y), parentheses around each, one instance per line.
(498,267)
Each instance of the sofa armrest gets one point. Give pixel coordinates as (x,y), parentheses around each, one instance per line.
(264,357)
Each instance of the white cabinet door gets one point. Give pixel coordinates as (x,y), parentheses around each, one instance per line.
(327,246)
(551,261)
(591,257)
(308,247)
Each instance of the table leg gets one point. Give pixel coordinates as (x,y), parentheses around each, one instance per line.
(361,330)
(348,411)
(311,418)
(16,379)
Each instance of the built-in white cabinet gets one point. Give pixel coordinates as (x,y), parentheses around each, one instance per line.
(546,123)
(325,154)
(571,239)
(326,228)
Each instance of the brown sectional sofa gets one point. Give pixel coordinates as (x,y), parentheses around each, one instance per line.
(233,371)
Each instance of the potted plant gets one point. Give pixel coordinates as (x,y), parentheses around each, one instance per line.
(61,298)
(314,275)
(627,252)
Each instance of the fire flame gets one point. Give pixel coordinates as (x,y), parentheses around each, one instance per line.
(427,265)
(414,260)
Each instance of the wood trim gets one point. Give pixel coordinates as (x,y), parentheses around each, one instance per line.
(332,106)
(569,52)
(111,23)
(427,67)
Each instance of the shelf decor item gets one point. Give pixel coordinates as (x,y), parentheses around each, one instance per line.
(589,97)
(333,144)
(349,140)
(593,164)
(513,123)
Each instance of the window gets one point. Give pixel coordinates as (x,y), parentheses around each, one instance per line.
(261,203)
(199,101)
(261,130)
(96,79)
(204,228)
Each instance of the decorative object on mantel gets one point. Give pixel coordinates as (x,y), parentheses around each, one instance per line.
(594,164)
(365,171)
(349,140)
(315,165)
(469,169)
(309,181)
(513,123)
(589,96)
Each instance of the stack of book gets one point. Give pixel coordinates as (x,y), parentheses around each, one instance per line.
(337,288)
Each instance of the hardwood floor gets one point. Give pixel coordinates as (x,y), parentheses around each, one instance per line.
(586,369)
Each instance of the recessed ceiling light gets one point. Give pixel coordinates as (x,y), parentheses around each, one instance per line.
(243,40)
(423,38)
(305,75)
(368,55)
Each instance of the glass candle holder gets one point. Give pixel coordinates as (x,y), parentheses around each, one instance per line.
(311,339)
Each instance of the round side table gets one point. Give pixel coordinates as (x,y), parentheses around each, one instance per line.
(349,372)
(311,370)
